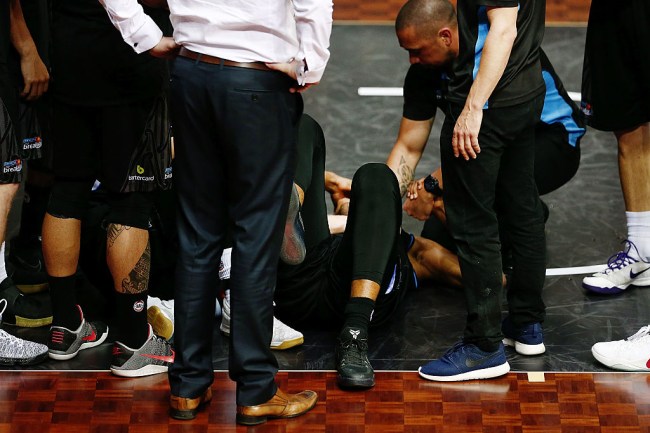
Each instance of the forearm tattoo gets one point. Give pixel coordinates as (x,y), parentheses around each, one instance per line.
(138,278)
(115,230)
(405,176)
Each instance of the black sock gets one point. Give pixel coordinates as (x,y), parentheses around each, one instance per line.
(357,315)
(64,302)
(132,319)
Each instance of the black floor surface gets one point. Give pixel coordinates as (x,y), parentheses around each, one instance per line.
(585,227)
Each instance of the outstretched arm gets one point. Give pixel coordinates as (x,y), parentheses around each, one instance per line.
(408,148)
(35,75)
(431,261)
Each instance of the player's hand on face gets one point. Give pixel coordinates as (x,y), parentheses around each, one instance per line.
(421,207)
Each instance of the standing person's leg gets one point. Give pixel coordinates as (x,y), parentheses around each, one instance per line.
(613,54)
(470,193)
(215,148)
(74,171)
(130,179)
(258,203)
(200,170)
(522,218)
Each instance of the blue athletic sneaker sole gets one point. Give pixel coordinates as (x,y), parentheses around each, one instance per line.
(484,373)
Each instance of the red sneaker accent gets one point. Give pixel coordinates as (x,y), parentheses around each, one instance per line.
(91,337)
(169,358)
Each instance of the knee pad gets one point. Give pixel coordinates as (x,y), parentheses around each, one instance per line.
(70,198)
(131,209)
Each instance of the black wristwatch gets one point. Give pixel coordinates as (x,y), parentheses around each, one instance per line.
(431,185)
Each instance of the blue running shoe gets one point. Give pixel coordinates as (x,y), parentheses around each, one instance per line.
(466,362)
(528,340)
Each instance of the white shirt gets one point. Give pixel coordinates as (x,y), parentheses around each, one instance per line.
(270,31)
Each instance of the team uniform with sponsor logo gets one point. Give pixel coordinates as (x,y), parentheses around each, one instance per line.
(110,123)
(11,163)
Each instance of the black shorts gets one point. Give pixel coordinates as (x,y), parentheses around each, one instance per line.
(28,131)
(126,147)
(616,71)
(11,162)
(556,161)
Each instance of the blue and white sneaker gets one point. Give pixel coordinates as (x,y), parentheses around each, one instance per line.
(528,340)
(622,271)
(466,362)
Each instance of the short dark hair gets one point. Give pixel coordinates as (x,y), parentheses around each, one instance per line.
(426,16)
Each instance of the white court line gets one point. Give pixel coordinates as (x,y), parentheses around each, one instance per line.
(575,271)
(397,91)
(380,91)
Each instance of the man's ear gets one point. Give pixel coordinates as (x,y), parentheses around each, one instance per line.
(446,35)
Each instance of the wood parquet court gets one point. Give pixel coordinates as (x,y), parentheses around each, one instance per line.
(70,402)
(73,402)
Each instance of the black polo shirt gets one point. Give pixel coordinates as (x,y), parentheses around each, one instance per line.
(522,78)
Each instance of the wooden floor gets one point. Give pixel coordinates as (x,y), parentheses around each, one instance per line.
(34,402)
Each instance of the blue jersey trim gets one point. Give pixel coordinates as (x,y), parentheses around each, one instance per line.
(557,110)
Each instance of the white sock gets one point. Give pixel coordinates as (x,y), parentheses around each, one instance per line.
(638,232)
(3,267)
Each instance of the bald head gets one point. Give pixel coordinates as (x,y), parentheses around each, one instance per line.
(426,17)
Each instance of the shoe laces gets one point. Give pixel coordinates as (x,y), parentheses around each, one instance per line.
(160,345)
(354,351)
(640,334)
(3,302)
(621,259)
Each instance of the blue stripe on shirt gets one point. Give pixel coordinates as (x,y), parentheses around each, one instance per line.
(557,110)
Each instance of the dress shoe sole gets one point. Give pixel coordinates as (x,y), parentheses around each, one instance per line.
(256,420)
(188,414)
(350,383)
(185,415)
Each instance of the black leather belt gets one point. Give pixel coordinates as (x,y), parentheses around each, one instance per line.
(219,61)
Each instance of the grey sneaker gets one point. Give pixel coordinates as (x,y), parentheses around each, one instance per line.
(16,351)
(64,344)
(155,356)
(284,336)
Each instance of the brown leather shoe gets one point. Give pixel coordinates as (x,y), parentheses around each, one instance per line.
(187,408)
(281,405)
